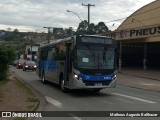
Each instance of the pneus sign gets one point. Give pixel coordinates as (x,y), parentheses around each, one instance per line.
(145,31)
(138,33)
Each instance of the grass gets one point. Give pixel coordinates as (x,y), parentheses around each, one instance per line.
(1,97)
(32,100)
(24,87)
(2,82)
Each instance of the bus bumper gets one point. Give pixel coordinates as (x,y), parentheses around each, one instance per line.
(77,84)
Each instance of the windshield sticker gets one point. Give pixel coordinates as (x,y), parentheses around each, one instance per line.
(85,60)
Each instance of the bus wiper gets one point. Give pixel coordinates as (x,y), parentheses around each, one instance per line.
(93,54)
(104,52)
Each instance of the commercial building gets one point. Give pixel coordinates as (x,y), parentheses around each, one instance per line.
(31,52)
(138,38)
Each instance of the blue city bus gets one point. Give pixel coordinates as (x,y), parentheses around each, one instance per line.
(79,62)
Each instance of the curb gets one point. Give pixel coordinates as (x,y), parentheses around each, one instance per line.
(141,88)
(140,76)
(41,100)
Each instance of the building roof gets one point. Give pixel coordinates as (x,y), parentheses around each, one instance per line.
(148,15)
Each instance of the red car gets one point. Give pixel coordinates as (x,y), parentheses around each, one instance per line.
(29,65)
(20,64)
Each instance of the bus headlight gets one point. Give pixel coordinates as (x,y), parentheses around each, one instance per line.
(115,76)
(77,77)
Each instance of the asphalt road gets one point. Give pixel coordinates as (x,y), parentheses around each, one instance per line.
(121,98)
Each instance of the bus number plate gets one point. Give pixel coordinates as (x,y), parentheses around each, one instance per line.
(98,84)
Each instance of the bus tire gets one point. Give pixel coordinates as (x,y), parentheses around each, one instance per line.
(43,78)
(63,88)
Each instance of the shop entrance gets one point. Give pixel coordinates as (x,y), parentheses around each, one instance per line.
(141,55)
(153,55)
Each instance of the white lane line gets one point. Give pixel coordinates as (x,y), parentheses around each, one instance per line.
(74,117)
(126,101)
(54,102)
(135,98)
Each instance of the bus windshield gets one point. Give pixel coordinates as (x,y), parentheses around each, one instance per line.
(94,56)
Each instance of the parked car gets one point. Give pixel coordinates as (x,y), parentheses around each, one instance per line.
(29,65)
(15,62)
(20,64)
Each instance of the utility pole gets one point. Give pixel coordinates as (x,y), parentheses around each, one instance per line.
(49,33)
(31,47)
(89,5)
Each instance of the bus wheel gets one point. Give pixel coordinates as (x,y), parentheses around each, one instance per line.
(63,88)
(43,78)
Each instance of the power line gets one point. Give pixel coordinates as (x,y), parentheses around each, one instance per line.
(116,20)
(146,11)
(144,20)
(133,15)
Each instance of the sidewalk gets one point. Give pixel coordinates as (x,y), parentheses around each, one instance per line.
(149,74)
(148,80)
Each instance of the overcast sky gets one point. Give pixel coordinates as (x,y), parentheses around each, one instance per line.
(33,15)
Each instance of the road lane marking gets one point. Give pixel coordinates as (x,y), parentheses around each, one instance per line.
(53,102)
(135,98)
(126,101)
(74,117)
(147,84)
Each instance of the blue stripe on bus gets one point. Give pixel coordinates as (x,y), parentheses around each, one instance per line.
(96,77)
(48,65)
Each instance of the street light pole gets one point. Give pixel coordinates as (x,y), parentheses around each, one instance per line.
(30,37)
(49,33)
(75,14)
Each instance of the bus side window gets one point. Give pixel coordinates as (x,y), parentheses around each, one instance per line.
(49,55)
(59,54)
(53,54)
(44,54)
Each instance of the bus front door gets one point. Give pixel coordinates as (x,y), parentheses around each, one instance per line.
(68,64)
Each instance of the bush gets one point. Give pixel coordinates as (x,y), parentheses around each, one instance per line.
(7,54)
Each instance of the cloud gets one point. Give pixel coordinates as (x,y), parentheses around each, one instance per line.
(40,13)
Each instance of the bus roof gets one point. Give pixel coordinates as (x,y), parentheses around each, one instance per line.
(70,39)
(85,35)
(66,40)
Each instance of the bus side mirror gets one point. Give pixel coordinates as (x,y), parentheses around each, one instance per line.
(72,54)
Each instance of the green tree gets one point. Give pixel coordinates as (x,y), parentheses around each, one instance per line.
(8,36)
(92,29)
(13,35)
(69,32)
(9,29)
(82,28)
(60,33)
(16,31)
(101,27)
(7,54)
